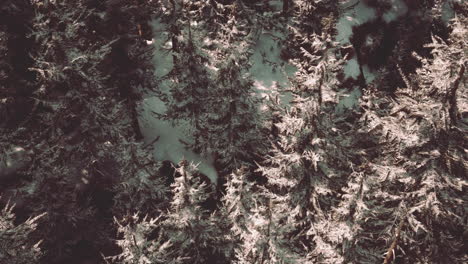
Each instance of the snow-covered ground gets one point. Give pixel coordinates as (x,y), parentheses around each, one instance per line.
(398,9)
(269,72)
(447,10)
(354,16)
(169,145)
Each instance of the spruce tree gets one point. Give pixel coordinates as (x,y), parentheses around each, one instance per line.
(309,158)
(408,200)
(234,125)
(186,233)
(17,245)
(189,92)
(80,130)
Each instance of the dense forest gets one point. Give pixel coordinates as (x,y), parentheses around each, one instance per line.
(233,131)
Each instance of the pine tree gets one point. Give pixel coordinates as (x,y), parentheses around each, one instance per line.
(255,234)
(135,245)
(236,212)
(17,244)
(78,126)
(307,163)
(409,199)
(234,125)
(189,93)
(190,228)
(186,233)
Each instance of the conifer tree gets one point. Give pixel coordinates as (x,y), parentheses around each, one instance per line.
(129,66)
(308,160)
(16,240)
(255,235)
(135,245)
(234,125)
(190,228)
(78,127)
(189,92)
(186,233)
(408,199)
(236,211)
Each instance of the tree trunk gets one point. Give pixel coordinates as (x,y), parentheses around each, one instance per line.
(285,7)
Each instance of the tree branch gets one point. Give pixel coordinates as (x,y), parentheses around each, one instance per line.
(452,95)
(390,250)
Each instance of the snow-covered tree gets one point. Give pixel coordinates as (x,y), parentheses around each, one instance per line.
(235,208)
(17,245)
(189,227)
(309,159)
(78,124)
(190,89)
(186,233)
(314,181)
(137,244)
(234,125)
(408,200)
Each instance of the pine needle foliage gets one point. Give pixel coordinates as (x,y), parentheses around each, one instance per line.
(16,245)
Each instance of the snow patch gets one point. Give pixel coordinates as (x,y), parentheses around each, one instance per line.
(369,75)
(348,100)
(358,15)
(447,11)
(269,72)
(397,10)
(351,69)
